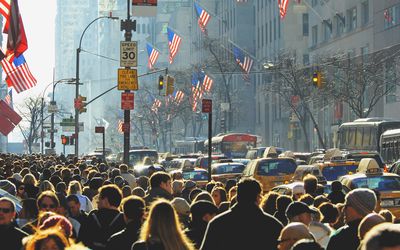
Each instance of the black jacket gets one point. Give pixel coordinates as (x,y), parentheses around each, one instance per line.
(281,216)
(157,193)
(196,233)
(336,197)
(345,237)
(12,237)
(99,226)
(245,226)
(124,239)
(142,245)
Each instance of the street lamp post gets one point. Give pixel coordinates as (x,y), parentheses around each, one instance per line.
(78,50)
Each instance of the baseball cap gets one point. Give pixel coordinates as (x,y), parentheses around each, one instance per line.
(297,207)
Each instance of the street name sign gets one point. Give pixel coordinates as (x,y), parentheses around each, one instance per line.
(128,54)
(127,79)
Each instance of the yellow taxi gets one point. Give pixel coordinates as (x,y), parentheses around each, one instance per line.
(271,172)
(370,175)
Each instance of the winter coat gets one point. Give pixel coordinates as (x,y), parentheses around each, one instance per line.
(245,226)
(157,193)
(345,237)
(12,237)
(99,226)
(124,239)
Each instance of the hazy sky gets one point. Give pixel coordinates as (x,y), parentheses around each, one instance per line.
(39,23)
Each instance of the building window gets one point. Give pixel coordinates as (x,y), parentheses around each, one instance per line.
(391,16)
(340,24)
(305,24)
(352,19)
(262,36)
(390,78)
(266,33)
(364,53)
(364,13)
(327,29)
(306,59)
(314,35)
(314,3)
(270,32)
(258,37)
(274,28)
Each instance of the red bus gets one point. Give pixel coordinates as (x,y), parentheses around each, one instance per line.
(232,145)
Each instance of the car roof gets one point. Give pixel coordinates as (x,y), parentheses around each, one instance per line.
(227,163)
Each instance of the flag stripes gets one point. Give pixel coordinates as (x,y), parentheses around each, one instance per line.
(283,5)
(174,42)
(153,55)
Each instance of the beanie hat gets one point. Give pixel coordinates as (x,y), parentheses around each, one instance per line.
(181,206)
(8,186)
(362,200)
(58,221)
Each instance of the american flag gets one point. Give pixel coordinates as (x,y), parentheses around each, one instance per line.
(5,8)
(153,55)
(156,105)
(178,96)
(174,42)
(203,16)
(207,83)
(18,74)
(243,60)
(8,98)
(197,90)
(120,128)
(283,5)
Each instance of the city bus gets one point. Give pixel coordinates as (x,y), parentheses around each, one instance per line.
(189,145)
(364,134)
(232,145)
(390,145)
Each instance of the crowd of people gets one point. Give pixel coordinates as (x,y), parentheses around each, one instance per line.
(51,202)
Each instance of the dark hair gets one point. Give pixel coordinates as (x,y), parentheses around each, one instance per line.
(307,198)
(319,200)
(50,195)
(306,244)
(248,190)
(112,193)
(330,212)
(30,207)
(229,184)
(210,186)
(268,202)
(336,186)
(133,207)
(194,193)
(73,197)
(283,202)
(310,184)
(157,178)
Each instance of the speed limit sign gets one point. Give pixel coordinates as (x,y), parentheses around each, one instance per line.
(128,54)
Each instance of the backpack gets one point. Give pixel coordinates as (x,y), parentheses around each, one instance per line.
(104,232)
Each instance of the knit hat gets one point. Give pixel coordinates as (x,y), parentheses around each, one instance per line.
(181,206)
(8,186)
(60,222)
(362,200)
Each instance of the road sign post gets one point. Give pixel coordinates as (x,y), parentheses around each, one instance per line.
(206,107)
(127,101)
(101,130)
(128,54)
(127,79)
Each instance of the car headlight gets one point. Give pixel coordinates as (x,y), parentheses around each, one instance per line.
(387,203)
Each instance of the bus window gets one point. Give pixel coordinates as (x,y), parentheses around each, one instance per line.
(359,138)
(351,139)
(367,136)
(374,136)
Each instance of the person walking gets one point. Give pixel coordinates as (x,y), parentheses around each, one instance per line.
(160,187)
(222,231)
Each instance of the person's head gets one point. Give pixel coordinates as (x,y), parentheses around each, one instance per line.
(219,195)
(298,191)
(181,206)
(8,186)
(195,192)
(336,186)
(126,191)
(367,223)
(29,179)
(358,203)
(47,239)
(74,205)
(307,244)
(283,202)
(46,186)
(74,187)
(291,233)
(138,191)
(143,182)
(133,208)
(249,191)
(310,184)
(389,216)
(48,201)
(268,202)
(177,186)
(232,192)
(299,212)
(329,212)
(385,236)
(29,209)
(161,180)
(123,168)
(319,200)
(7,211)
(229,184)
(210,186)
(190,185)
(307,198)
(109,197)
(58,222)
(202,211)
(203,196)
(162,223)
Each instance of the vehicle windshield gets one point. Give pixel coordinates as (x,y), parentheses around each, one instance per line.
(228,169)
(359,157)
(332,173)
(137,157)
(276,167)
(195,175)
(380,183)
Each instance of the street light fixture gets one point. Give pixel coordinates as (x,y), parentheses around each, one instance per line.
(78,50)
(268,65)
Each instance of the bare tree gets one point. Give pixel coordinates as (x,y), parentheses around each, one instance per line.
(362,81)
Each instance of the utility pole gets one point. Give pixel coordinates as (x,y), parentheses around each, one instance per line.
(42,131)
(127,25)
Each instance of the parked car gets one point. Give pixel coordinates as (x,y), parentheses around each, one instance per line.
(225,171)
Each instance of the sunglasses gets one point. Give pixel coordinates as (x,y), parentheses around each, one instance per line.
(52,206)
(21,188)
(6,210)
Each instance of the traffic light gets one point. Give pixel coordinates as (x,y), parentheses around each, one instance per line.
(222,124)
(160,82)
(316,79)
(71,140)
(80,104)
(170,85)
(64,140)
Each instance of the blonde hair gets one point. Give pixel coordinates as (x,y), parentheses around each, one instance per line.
(74,187)
(46,186)
(29,179)
(35,241)
(163,224)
